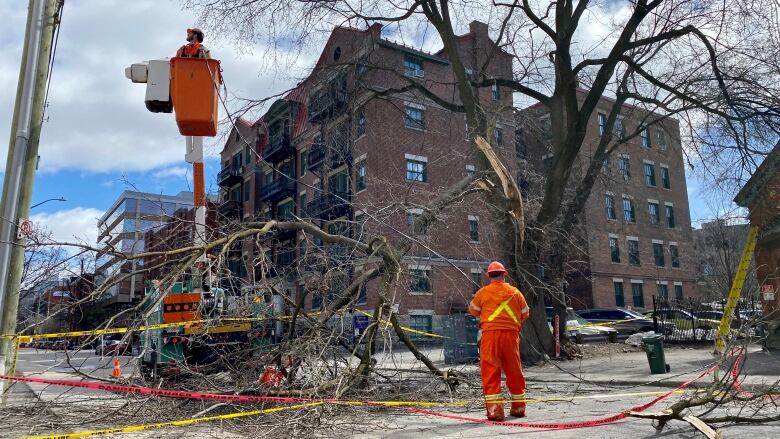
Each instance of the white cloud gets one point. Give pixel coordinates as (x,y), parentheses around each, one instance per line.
(97,121)
(172,172)
(78,224)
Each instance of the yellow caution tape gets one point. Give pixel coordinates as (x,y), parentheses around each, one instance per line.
(405,328)
(179,423)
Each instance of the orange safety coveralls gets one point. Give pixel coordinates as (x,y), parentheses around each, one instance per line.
(193,50)
(501,309)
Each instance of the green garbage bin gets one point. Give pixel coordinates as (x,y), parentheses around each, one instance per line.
(654,347)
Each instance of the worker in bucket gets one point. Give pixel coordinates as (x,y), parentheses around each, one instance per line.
(194,47)
(501,309)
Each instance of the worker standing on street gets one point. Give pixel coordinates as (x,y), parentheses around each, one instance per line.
(194,47)
(501,309)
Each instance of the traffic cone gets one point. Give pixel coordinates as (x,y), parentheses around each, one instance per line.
(117,373)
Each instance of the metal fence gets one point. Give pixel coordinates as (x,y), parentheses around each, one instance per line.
(691,320)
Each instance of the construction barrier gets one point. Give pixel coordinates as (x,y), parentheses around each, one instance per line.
(179,423)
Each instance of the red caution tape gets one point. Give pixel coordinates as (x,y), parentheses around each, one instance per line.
(564,425)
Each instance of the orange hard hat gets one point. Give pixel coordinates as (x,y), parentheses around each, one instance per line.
(496,267)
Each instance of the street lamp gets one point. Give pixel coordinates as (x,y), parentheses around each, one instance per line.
(46,201)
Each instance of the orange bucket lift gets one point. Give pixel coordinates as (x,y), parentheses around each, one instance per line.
(195,95)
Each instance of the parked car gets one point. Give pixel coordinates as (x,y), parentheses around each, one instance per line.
(683,320)
(111,347)
(630,322)
(581,330)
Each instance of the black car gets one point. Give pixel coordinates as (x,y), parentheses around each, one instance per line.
(629,322)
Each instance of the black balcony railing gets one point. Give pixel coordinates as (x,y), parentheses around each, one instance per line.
(317,154)
(230,175)
(327,103)
(277,190)
(278,148)
(231,209)
(329,206)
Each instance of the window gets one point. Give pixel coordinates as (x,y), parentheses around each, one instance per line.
(338,182)
(247,155)
(247,187)
(285,211)
(546,128)
(644,136)
(302,204)
(652,210)
(268,178)
(678,292)
(670,217)
(649,174)
(658,254)
(416,170)
(619,299)
(665,177)
(316,301)
(470,169)
(495,92)
(638,295)
(419,281)
(660,137)
(614,250)
(521,149)
(476,280)
(674,254)
(602,123)
(609,200)
(362,298)
(360,69)
(633,252)
(413,66)
(620,130)
(304,162)
(663,291)
(287,168)
(605,166)
(628,210)
(420,322)
(360,129)
(624,167)
(498,136)
(547,163)
(473,228)
(360,176)
(414,117)
(412,215)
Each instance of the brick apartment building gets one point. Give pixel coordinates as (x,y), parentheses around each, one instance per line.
(332,153)
(638,240)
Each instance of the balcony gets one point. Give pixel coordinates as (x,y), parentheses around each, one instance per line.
(317,154)
(277,190)
(278,148)
(330,206)
(231,209)
(230,175)
(327,103)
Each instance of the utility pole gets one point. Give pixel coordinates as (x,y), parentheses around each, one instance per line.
(22,162)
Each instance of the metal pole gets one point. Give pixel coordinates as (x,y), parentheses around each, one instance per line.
(23,156)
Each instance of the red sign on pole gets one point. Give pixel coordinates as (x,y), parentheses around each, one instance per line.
(557,335)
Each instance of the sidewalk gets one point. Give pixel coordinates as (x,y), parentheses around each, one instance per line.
(630,369)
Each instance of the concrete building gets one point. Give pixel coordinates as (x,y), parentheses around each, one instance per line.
(122,229)
(333,152)
(636,238)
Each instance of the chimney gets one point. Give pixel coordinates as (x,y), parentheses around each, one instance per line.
(375,30)
(478,28)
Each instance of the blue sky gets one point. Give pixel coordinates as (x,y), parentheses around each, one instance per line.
(99,139)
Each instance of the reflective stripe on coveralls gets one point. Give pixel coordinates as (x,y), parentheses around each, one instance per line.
(504,306)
